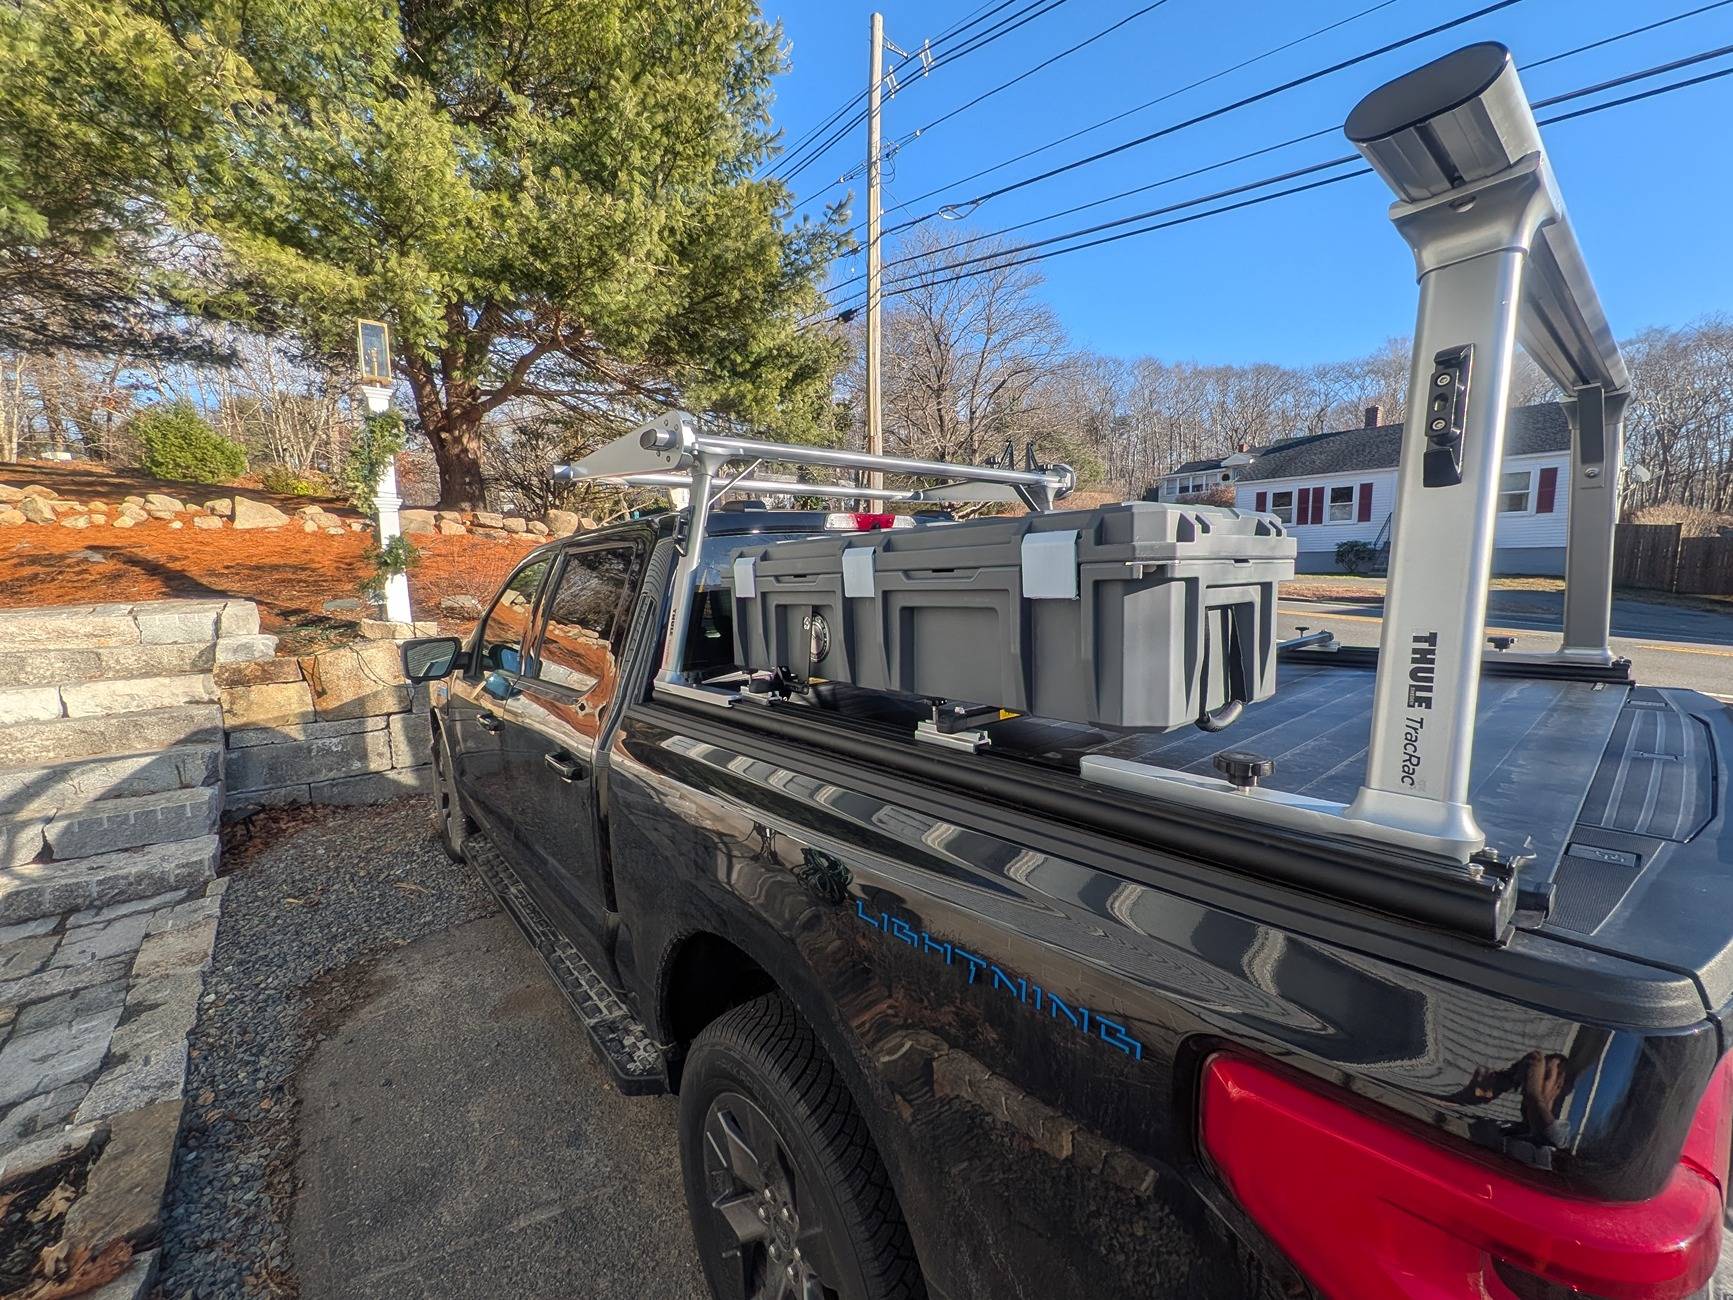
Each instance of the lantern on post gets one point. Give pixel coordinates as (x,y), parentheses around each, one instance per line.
(373,350)
(373,353)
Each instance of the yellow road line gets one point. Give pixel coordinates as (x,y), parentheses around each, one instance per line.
(1689,650)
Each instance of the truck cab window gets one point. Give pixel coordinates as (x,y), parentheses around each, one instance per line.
(501,641)
(586,618)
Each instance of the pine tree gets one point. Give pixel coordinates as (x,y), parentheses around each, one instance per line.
(545,198)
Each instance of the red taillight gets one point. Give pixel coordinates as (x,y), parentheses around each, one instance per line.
(857,521)
(1369,1211)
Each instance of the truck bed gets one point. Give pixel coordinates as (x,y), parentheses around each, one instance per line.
(1537,747)
(1608,794)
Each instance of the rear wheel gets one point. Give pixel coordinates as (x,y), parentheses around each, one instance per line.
(453,824)
(788,1197)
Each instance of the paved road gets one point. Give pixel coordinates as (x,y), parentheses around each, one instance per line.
(1668,645)
(458,1140)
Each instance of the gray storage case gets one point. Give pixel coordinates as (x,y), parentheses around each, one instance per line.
(1139,615)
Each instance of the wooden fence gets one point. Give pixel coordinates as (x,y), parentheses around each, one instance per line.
(1661,557)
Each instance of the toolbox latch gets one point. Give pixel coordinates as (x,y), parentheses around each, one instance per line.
(745,577)
(1050,566)
(857,572)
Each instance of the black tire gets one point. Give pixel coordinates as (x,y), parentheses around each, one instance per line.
(452,823)
(809,1214)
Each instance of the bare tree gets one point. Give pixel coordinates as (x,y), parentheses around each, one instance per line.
(286,404)
(970,360)
(1679,424)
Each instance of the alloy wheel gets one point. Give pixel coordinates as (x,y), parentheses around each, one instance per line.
(772,1237)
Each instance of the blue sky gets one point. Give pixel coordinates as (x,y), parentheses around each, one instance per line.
(1316,277)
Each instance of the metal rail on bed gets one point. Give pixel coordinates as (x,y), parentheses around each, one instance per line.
(1496,257)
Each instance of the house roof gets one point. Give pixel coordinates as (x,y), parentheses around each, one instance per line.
(1195,467)
(1532,431)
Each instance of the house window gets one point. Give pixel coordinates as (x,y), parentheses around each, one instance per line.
(1513,492)
(1341,505)
(1282,506)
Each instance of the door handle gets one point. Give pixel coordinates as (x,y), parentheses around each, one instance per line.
(488,722)
(570,769)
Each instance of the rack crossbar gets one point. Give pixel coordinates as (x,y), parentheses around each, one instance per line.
(673,452)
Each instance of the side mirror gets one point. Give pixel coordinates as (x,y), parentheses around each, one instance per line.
(430,657)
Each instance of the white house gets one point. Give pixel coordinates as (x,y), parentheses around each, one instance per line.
(1198,476)
(1338,487)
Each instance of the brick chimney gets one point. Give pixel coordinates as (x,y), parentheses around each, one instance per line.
(1374,416)
(1243,447)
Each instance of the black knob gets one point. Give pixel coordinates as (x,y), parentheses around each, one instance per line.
(1243,768)
(1501,642)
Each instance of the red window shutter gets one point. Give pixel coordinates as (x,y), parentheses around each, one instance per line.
(1365,514)
(1263,502)
(1317,505)
(1547,492)
(1303,506)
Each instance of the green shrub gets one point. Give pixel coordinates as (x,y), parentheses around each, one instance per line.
(179,444)
(1356,557)
(399,555)
(379,438)
(292,482)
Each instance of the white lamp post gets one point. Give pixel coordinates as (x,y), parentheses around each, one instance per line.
(373,343)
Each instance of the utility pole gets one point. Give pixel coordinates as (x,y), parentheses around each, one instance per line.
(874,344)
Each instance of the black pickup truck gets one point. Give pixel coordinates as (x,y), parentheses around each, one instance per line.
(1425,996)
(962,1024)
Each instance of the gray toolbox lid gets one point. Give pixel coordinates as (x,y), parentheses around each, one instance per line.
(1145,532)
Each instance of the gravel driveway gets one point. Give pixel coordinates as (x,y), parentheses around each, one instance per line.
(387,1097)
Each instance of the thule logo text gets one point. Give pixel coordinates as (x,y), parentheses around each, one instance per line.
(1422,669)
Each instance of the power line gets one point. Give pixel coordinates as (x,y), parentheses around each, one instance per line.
(1258,58)
(1029,72)
(998,261)
(1581,93)
(1095,203)
(1004,85)
(979,14)
(1300,139)
(1160,99)
(1028,153)
(1212,114)
(1004,27)
(1635,31)
(1001,29)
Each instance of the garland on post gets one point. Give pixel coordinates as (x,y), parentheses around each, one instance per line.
(376,444)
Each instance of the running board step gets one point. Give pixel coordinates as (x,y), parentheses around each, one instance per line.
(619,1037)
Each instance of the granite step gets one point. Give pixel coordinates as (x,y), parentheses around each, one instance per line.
(47,666)
(144,623)
(108,825)
(106,734)
(103,698)
(76,782)
(40,889)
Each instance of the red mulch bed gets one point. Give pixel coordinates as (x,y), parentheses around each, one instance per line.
(290,573)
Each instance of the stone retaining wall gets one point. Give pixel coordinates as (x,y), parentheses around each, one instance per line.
(338,727)
(39,505)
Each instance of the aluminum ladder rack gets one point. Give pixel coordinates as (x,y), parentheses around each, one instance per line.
(675,452)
